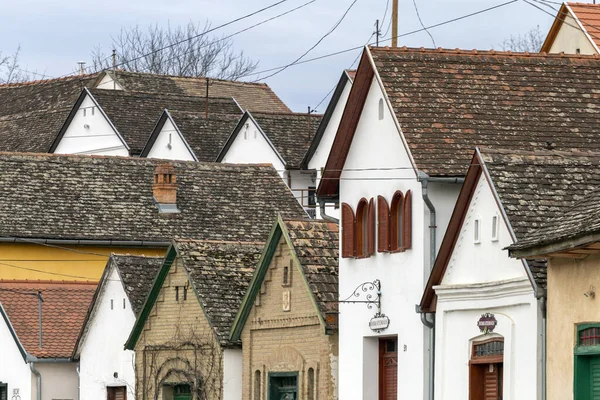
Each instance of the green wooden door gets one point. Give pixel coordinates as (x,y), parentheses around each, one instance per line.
(182,392)
(595,378)
(587,377)
(283,386)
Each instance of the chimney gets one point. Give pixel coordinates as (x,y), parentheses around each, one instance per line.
(81,67)
(164,188)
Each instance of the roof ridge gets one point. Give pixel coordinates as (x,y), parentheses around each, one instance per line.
(48,282)
(476,52)
(213,241)
(193,78)
(540,152)
(40,81)
(134,93)
(290,113)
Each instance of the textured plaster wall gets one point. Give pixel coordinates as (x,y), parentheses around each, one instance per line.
(568,280)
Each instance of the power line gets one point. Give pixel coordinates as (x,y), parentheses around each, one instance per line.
(422,24)
(47,272)
(333,28)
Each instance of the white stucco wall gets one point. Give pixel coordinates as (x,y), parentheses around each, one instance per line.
(300,181)
(319,158)
(232,374)
(59,381)
(109,83)
(178,149)
(481,278)
(90,132)
(251,147)
(571,37)
(377,144)
(102,351)
(13,369)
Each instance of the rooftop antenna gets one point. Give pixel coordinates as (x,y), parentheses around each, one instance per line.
(377,33)
(310,111)
(207,97)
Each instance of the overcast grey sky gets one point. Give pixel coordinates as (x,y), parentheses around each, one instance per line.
(55,34)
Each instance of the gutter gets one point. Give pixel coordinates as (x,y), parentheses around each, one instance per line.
(324,216)
(86,242)
(425,179)
(38,381)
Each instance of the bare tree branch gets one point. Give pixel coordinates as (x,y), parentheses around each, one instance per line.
(181,51)
(531,41)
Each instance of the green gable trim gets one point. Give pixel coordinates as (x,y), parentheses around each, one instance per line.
(277,232)
(138,327)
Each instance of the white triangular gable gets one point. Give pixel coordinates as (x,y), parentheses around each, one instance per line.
(479,258)
(170,144)
(91,132)
(107,82)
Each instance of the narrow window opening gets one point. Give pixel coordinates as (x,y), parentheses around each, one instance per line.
(93,108)
(257,382)
(176,293)
(397,222)
(111,304)
(477,231)
(361,234)
(311,384)
(380,109)
(495,228)
(246,134)
(285,275)
(255,134)
(84,112)
(185,290)
(123,303)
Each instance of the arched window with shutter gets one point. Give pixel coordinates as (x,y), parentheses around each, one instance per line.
(383,225)
(397,222)
(371,228)
(348,222)
(407,221)
(361,230)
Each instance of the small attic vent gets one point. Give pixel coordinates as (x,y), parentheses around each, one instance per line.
(164,189)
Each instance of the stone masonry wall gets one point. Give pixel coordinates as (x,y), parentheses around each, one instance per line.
(276,340)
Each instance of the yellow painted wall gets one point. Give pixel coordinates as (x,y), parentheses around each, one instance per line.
(35,261)
(568,280)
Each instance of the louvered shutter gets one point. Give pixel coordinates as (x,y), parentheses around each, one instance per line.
(491,383)
(110,393)
(383,225)
(407,221)
(347,231)
(371,228)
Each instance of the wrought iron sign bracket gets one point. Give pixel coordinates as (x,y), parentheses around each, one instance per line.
(368,293)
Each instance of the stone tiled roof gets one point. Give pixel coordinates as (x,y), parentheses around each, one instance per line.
(137,274)
(316,244)
(582,218)
(220,273)
(250,96)
(110,198)
(205,136)
(63,310)
(134,114)
(536,186)
(32,113)
(290,133)
(449,102)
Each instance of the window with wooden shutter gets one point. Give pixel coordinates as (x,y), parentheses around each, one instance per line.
(347,231)
(397,222)
(383,225)
(371,228)
(407,221)
(361,229)
(116,393)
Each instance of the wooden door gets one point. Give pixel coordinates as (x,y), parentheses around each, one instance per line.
(283,386)
(116,393)
(485,381)
(388,369)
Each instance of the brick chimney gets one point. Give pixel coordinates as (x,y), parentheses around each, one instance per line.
(164,188)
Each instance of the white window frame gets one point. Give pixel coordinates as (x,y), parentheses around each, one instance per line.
(495,227)
(477,230)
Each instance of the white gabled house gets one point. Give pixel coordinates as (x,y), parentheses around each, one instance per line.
(106,370)
(167,142)
(575,30)
(319,149)
(399,158)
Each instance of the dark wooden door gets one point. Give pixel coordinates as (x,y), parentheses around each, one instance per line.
(485,381)
(388,369)
(116,393)
(283,387)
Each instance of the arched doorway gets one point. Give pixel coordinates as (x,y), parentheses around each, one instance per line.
(486,369)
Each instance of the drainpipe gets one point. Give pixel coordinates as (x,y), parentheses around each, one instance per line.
(38,381)
(425,179)
(324,216)
(544,326)
(78,369)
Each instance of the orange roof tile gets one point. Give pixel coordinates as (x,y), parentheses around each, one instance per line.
(589,16)
(63,310)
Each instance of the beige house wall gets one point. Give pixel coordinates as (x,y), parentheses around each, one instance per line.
(274,340)
(571,37)
(177,344)
(568,280)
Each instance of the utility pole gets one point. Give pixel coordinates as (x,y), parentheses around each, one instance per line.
(377,33)
(395,23)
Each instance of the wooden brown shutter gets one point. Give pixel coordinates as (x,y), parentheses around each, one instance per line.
(371,228)
(407,221)
(347,231)
(383,225)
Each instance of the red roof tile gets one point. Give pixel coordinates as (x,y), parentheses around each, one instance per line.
(589,16)
(64,308)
